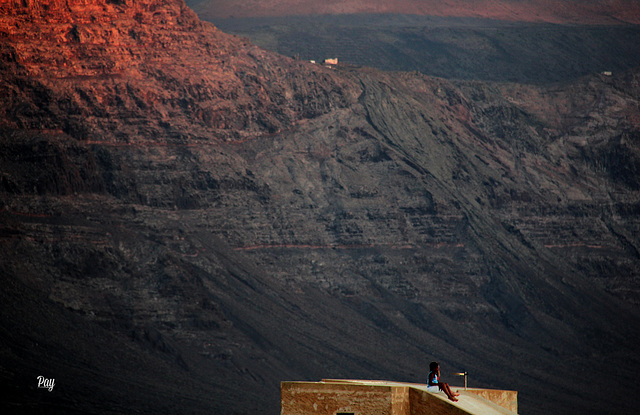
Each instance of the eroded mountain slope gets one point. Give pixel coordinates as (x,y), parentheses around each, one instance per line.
(555,11)
(188,220)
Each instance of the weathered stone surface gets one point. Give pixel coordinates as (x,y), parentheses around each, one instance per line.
(306,398)
(331,397)
(506,399)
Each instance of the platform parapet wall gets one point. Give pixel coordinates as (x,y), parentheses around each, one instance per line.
(303,398)
(352,397)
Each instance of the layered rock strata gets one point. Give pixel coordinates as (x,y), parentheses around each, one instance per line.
(187,220)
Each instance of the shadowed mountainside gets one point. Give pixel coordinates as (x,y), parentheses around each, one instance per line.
(187,220)
(526,41)
(451,48)
(549,11)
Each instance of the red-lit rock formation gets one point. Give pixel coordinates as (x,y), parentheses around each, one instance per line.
(151,60)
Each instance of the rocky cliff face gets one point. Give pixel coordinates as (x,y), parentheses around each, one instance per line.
(188,220)
(152,64)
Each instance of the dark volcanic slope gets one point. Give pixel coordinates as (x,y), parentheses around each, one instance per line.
(187,220)
(550,11)
(451,48)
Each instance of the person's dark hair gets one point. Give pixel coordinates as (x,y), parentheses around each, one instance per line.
(433,366)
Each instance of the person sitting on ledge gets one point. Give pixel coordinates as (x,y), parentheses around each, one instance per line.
(434,384)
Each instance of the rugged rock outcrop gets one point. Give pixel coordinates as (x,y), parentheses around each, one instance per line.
(187,220)
(154,67)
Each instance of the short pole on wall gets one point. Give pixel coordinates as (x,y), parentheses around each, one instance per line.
(466,375)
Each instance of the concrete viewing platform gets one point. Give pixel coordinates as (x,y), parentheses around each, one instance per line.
(377,397)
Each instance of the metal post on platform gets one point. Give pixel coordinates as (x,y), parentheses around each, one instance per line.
(465,374)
